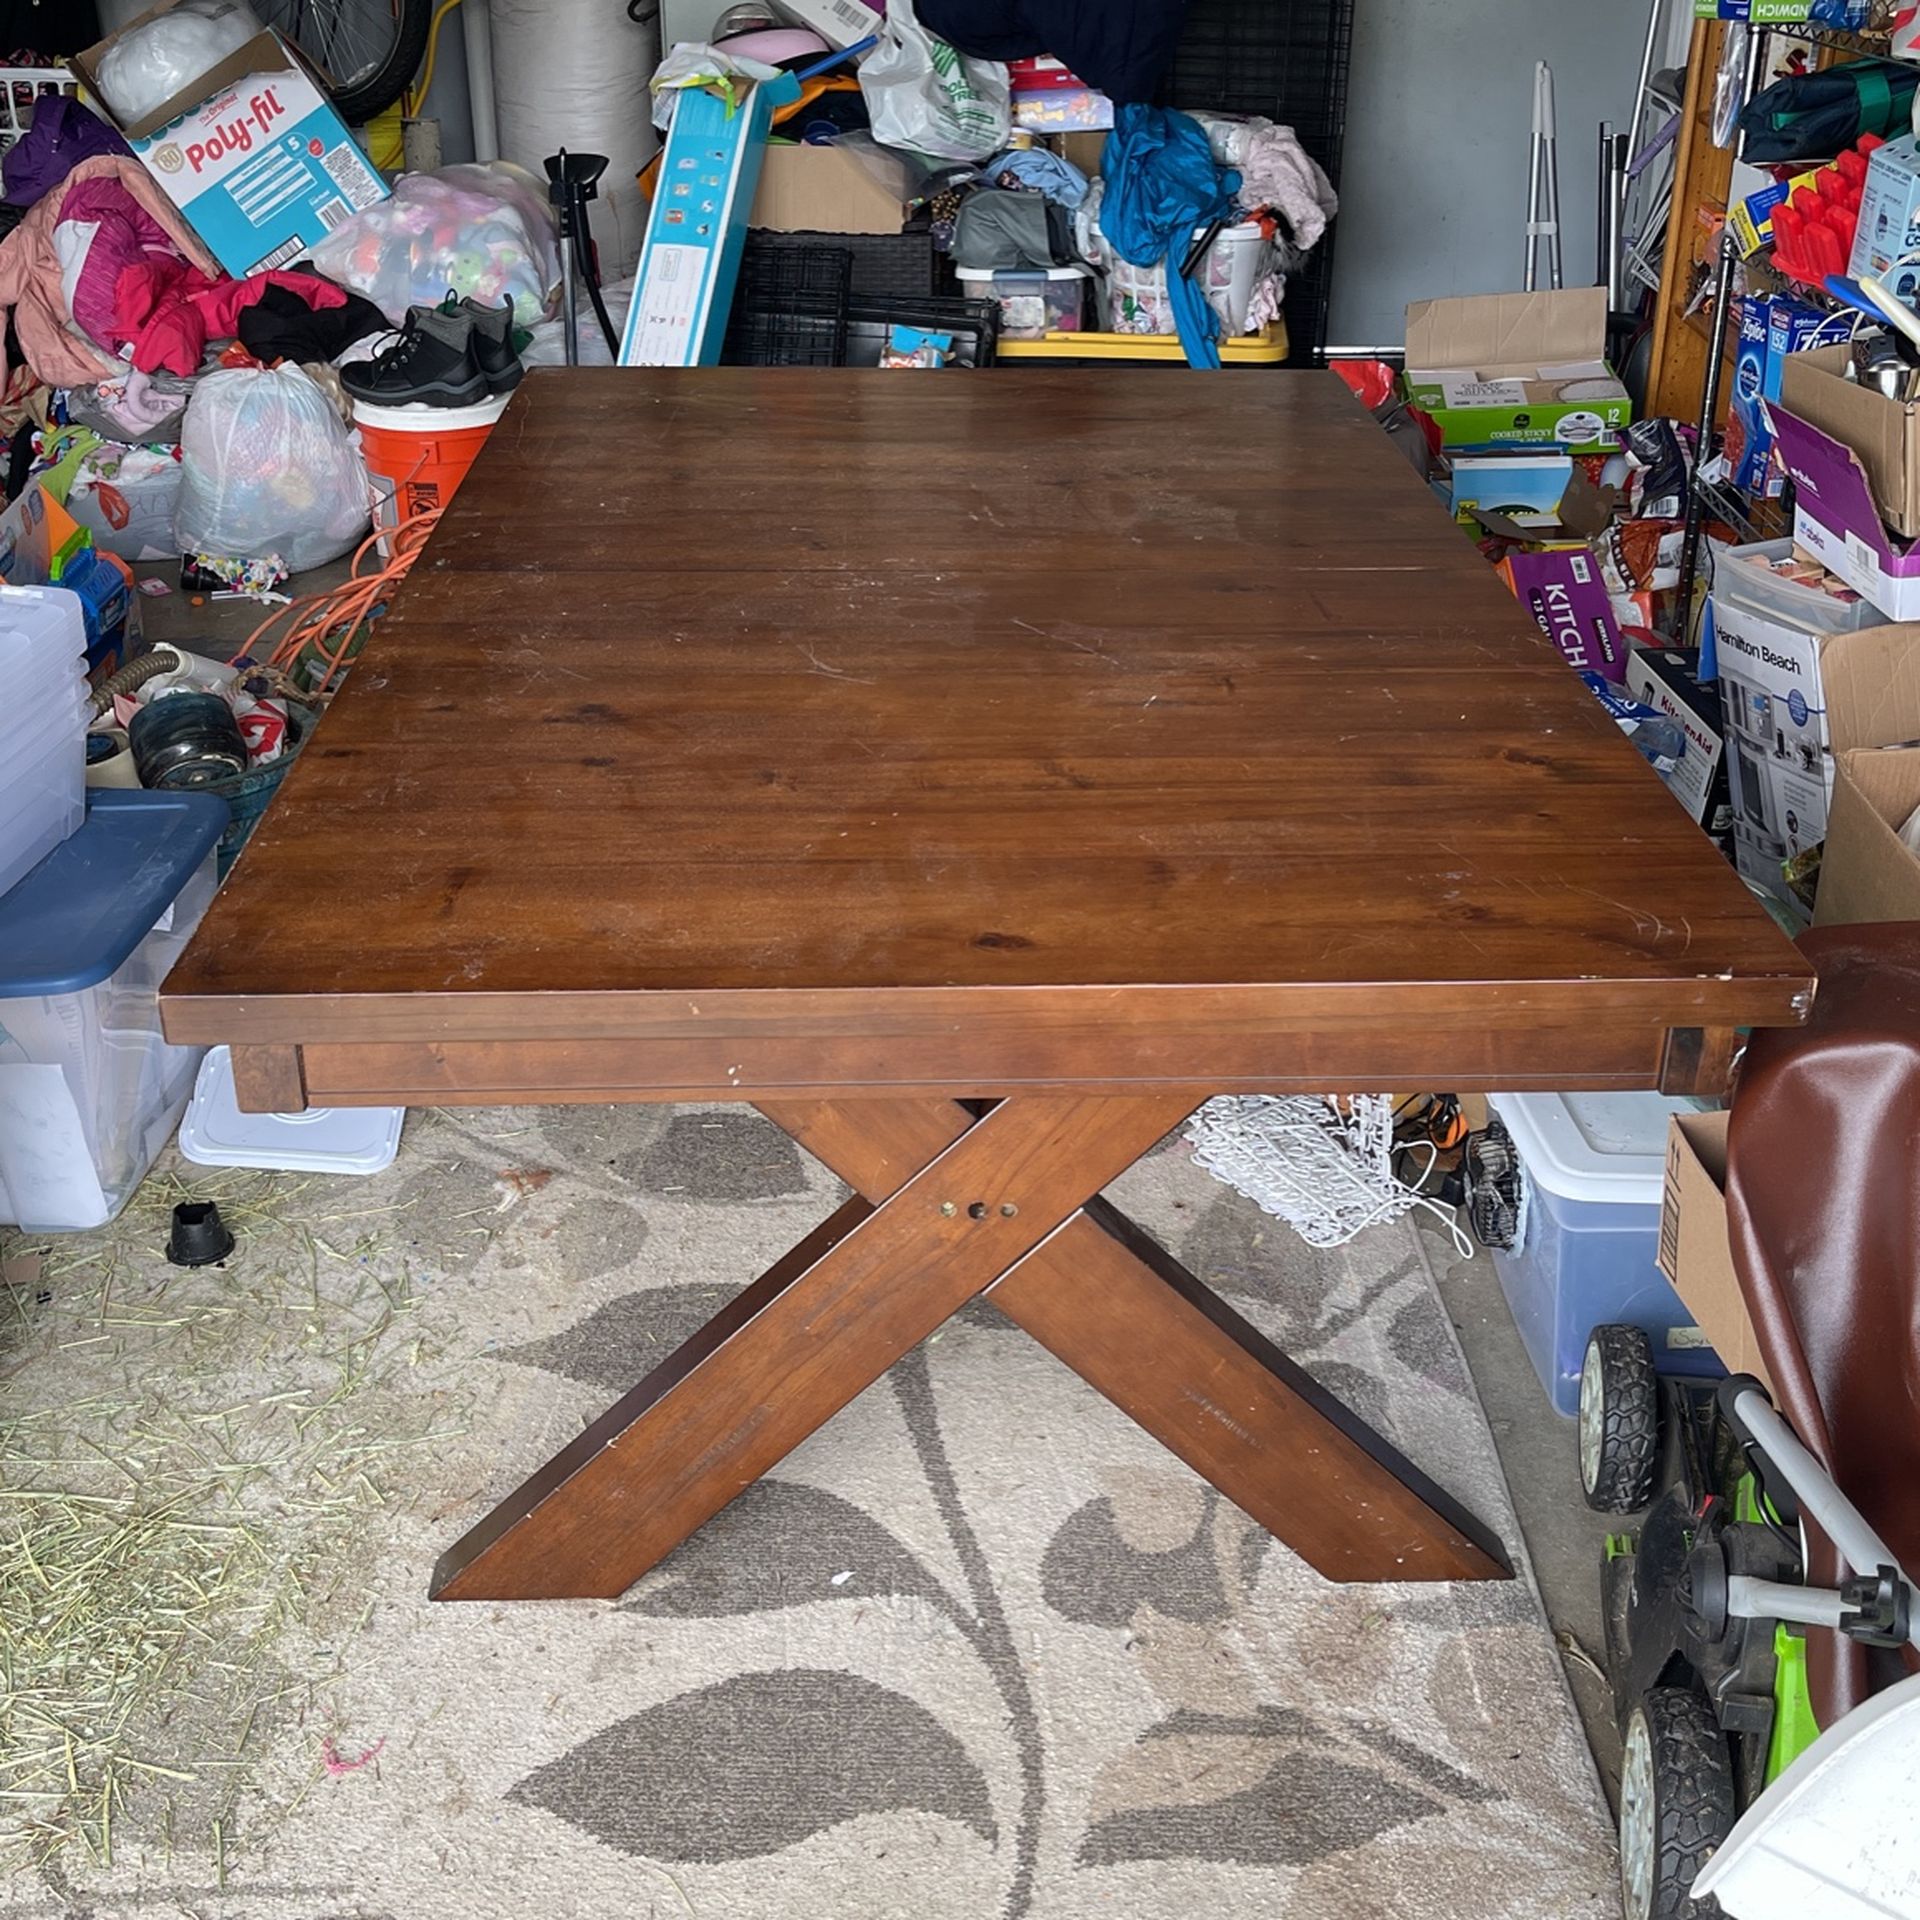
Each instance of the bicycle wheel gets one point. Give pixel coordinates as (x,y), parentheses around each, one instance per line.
(369,49)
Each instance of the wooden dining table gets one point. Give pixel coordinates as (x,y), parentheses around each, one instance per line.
(975,772)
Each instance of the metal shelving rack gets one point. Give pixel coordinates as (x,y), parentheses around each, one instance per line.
(1759,519)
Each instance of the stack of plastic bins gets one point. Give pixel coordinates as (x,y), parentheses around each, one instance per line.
(43,725)
(89,1091)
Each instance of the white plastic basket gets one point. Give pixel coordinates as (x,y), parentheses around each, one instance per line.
(20,87)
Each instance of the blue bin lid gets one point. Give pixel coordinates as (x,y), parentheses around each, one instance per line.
(73,919)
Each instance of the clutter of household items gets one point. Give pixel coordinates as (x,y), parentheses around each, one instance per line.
(240,353)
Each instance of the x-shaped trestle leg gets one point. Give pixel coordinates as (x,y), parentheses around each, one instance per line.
(950,1206)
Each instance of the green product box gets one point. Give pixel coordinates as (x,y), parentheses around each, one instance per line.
(1517,370)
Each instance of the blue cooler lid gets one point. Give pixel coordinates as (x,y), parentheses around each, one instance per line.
(74,918)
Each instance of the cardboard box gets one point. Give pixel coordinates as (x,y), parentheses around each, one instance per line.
(1883,435)
(1889,210)
(1867,872)
(838,22)
(1668,680)
(1750,218)
(1770,330)
(822,190)
(1516,369)
(1696,1250)
(1835,516)
(253,154)
(1525,488)
(1830,13)
(697,229)
(1564,590)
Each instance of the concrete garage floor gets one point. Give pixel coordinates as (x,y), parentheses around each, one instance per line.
(1564,1536)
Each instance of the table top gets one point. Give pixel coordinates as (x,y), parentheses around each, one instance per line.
(738,695)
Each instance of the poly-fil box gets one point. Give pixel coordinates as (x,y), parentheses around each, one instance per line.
(253,154)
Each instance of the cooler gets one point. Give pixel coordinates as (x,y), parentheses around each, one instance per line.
(1593,1168)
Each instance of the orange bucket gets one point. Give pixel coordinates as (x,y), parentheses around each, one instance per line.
(417,456)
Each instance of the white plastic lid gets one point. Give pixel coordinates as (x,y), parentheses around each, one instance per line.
(1023,273)
(417,417)
(215,1133)
(1594,1146)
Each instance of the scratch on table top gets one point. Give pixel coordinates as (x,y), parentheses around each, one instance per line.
(836,673)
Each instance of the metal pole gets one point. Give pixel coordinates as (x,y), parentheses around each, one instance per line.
(1605,271)
(1533,185)
(1553,180)
(1716,364)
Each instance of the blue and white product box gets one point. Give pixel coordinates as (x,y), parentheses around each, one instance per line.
(258,162)
(1890,217)
(698,228)
(1770,329)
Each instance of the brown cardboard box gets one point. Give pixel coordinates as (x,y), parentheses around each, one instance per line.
(1884,434)
(821,190)
(1867,872)
(1696,1254)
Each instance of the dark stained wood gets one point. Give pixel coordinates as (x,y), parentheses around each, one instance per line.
(269,1079)
(1698,1060)
(1115,1306)
(791,1351)
(781,685)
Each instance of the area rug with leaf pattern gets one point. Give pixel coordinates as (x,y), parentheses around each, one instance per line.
(979,1649)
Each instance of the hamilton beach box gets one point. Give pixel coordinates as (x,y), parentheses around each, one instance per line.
(253,154)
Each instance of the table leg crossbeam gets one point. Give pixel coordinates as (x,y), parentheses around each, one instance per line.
(952,1204)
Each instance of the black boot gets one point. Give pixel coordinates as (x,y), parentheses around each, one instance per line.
(493,350)
(432,361)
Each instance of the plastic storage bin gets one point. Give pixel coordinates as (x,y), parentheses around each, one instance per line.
(89,1091)
(1033,300)
(43,726)
(1593,1167)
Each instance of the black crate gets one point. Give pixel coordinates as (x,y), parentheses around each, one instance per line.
(884,264)
(789,308)
(974,324)
(1287,59)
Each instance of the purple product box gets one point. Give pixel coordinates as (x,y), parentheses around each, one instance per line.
(1835,519)
(1563,589)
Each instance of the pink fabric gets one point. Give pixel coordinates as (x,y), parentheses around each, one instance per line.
(55,350)
(171,319)
(119,236)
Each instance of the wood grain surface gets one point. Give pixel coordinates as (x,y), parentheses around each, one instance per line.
(1058,720)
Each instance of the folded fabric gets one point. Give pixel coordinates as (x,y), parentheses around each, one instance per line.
(138,409)
(170,323)
(102,233)
(281,325)
(60,135)
(1035,170)
(1122,47)
(52,346)
(996,229)
(1162,183)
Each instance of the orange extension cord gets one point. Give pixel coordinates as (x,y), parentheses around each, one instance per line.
(329,623)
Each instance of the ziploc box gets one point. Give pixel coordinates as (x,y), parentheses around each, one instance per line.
(253,153)
(1516,369)
(697,230)
(1770,329)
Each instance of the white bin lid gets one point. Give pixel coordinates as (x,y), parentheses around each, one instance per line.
(1594,1146)
(215,1133)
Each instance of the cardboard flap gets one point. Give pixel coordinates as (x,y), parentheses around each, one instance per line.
(822,190)
(1813,388)
(1832,482)
(1507,332)
(1867,872)
(1871,684)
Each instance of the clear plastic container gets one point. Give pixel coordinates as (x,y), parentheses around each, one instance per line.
(1594,1167)
(1739,582)
(1034,301)
(89,1090)
(43,745)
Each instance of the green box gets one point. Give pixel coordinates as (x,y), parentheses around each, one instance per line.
(1517,370)
(1767,13)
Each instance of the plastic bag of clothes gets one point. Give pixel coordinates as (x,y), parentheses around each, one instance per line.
(125,496)
(927,98)
(480,231)
(268,467)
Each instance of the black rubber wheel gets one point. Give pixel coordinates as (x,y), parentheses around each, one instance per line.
(1676,1804)
(1619,1420)
(369,49)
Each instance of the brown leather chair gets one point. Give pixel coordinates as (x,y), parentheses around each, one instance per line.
(1823,1201)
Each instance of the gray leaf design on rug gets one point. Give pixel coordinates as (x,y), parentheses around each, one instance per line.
(1093,1575)
(618,1343)
(1265,1790)
(757,1763)
(721,1158)
(781,1544)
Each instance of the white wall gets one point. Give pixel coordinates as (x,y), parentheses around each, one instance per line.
(1434,174)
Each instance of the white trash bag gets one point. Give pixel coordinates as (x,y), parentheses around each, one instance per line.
(926,97)
(268,467)
(479,232)
(148,65)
